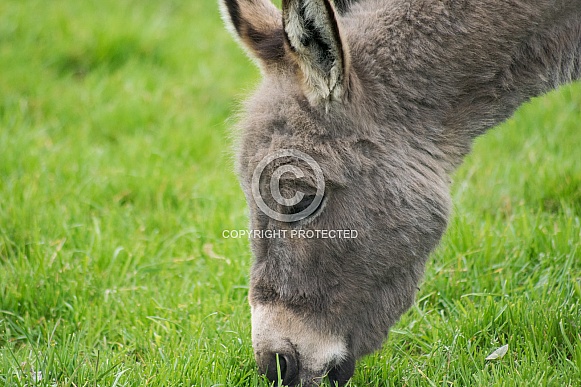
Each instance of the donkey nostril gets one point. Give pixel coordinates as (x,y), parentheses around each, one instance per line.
(283,363)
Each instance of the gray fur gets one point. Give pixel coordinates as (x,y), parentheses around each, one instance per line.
(422,79)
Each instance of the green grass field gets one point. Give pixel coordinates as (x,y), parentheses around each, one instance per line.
(116,183)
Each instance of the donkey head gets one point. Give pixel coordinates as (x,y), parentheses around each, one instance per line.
(343,216)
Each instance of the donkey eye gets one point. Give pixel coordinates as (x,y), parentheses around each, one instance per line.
(309,203)
(303,204)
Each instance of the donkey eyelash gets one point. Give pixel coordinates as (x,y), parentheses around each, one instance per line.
(315,214)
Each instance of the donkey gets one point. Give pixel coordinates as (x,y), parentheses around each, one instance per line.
(386,97)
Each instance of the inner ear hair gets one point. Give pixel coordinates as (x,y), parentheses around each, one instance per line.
(313,35)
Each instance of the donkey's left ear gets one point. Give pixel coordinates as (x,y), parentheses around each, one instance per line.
(258,25)
(314,36)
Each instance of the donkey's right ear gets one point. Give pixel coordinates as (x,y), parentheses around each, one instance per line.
(258,25)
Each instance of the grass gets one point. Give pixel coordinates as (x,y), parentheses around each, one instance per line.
(116,184)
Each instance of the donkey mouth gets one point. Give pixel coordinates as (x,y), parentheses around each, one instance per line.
(340,374)
(286,369)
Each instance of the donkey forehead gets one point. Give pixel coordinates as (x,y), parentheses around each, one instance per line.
(330,139)
(280,99)
(338,160)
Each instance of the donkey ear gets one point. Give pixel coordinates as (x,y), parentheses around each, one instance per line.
(258,25)
(313,35)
